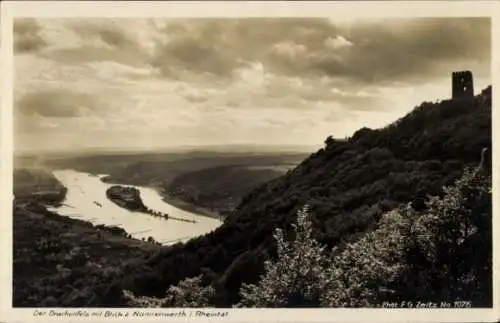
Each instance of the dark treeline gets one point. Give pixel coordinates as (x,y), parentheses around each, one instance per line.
(348,184)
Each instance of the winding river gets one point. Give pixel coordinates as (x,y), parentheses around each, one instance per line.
(86,192)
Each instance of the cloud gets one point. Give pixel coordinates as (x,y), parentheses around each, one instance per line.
(74,41)
(258,88)
(337,42)
(86,53)
(379,51)
(56,103)
(413,50)
(221,46)
(27,36)
(194,81)
(289,49)
(194,56)
(214,50)
(110,33)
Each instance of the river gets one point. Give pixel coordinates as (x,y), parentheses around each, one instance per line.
(84,189)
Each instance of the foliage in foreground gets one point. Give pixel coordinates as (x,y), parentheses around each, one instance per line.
(446,245)
(304,275)
(348,185)
(188,293)
(450,244)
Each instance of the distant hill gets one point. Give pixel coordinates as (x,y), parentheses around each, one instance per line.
(221,188)
(170,150)
(348,185)
(37,185)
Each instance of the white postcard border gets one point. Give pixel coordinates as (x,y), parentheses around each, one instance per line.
(338,10)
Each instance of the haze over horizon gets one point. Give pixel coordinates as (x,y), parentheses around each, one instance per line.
(139,84)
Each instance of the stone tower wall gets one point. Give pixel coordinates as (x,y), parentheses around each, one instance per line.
(462,85)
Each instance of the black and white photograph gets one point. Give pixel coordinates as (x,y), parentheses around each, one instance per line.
(252,162)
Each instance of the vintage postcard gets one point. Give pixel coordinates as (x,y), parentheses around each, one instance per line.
(249,161)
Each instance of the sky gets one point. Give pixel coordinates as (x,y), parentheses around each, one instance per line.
(134,84)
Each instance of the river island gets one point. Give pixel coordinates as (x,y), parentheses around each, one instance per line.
(127,197)
(130,198)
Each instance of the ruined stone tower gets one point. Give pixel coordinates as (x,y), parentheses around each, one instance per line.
(462,85)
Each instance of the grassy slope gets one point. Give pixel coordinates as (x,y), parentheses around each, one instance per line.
(348,185)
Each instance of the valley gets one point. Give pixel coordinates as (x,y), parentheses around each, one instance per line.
(92,217)
(271,157)
(349,185)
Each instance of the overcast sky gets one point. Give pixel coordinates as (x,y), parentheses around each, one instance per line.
(150,83)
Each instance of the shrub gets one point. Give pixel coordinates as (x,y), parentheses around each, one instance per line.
(450,242)
(442,252)
(188,293)
(297,277)
(304,275)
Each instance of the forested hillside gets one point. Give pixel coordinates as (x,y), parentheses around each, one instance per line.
(348,185)
(220,188)
(37,185)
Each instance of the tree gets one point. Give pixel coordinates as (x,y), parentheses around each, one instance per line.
(297,277)
(329,141)
(450,242)
(443,252)
(188,293)
(304,275)
(364,273)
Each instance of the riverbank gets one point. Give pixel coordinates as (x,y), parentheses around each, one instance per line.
(130,198)
(188,207)
(63,262)
(172,200)
(88,200)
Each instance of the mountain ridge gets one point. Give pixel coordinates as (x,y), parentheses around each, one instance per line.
(348,185)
